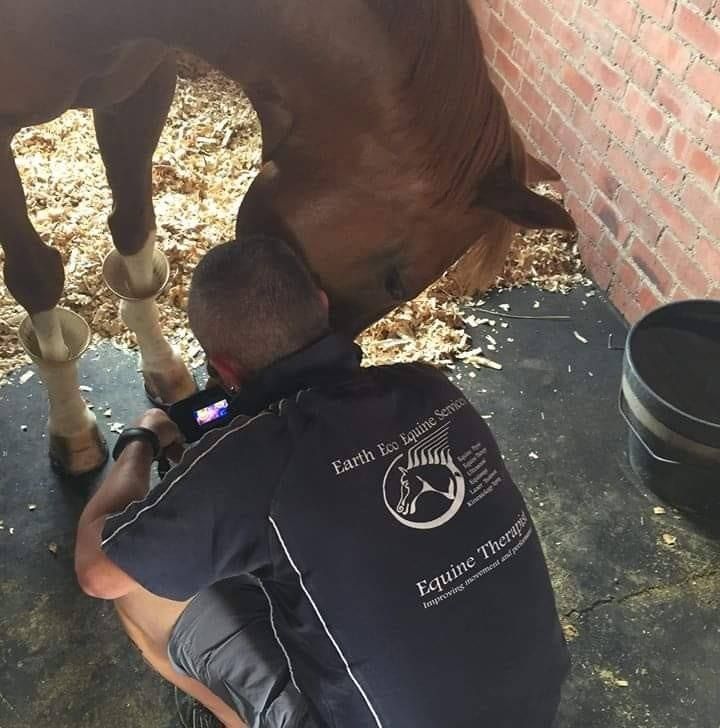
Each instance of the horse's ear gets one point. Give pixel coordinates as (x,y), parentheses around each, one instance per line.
(538,171)
(502,193)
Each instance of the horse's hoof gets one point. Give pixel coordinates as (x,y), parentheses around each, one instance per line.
(171,385)
(71,457)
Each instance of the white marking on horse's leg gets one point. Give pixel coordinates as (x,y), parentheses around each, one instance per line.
(165,373)
(140,269)
(76,445)
(143,319)
(69,415)
(141,315)
(49,336)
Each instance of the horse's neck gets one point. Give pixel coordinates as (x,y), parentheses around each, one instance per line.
(450,87)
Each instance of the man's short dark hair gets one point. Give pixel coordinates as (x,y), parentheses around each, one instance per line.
(255,301)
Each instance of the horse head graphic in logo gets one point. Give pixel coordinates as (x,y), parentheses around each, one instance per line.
(424,488)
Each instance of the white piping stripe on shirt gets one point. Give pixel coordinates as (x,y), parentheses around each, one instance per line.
(127,508)
(277,636)
(324,624)
(181,476)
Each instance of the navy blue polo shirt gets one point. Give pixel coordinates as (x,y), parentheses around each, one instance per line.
(408,584)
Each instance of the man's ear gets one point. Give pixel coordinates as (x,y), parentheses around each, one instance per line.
(230,372)
(502,193)
(325,300)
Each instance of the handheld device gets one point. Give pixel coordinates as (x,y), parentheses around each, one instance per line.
(201,413)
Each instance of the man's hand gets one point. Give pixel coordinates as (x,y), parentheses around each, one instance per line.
(171,439)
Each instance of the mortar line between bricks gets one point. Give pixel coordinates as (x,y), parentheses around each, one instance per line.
(699,576)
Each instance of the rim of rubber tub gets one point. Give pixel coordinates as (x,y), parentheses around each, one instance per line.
(641,381)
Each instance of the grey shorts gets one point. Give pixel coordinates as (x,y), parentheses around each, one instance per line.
(225,640)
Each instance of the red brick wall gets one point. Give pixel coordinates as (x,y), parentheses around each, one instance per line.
(623,98)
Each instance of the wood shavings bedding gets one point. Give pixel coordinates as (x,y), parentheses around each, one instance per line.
(207,158)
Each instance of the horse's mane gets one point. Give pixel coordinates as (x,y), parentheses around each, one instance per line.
(459,123)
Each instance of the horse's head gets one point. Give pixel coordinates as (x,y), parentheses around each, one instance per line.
(403,506)
(384,191)
(413,486)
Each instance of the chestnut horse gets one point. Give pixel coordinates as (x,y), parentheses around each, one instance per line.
(388,153)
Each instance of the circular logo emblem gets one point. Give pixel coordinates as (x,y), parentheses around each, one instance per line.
(426,492)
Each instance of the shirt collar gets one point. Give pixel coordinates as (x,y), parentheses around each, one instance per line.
(332,358)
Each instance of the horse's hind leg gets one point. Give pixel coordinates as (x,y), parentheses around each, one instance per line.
(127,135)
(54,338)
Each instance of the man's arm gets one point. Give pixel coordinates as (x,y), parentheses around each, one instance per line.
(128,481)
(206,521)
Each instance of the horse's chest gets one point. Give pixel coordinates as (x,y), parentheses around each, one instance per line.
(33,90)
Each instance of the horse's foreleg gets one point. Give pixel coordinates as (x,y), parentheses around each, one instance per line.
(54,338)
(127,135)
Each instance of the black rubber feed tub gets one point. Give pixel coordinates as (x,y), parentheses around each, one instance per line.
(670,399)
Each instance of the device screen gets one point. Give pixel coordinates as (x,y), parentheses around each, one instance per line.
(210,414)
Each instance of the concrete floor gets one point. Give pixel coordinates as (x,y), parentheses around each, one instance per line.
(644,617)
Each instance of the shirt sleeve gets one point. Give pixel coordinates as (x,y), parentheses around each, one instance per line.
(208,519)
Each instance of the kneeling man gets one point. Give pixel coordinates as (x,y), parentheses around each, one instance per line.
(349,552)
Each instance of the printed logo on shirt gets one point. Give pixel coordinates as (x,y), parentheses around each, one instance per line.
(423,488)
